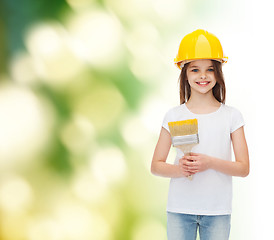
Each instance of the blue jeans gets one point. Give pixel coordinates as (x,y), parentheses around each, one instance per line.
(184,226)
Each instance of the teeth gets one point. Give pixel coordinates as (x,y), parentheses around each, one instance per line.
(202,83)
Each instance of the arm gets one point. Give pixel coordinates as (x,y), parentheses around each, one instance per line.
(239,168)
(159,166)
(241,165)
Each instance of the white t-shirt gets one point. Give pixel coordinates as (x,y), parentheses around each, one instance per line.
(210,191)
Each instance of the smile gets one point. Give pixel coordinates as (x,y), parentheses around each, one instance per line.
(203,83)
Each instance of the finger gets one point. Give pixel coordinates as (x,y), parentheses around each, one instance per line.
(192,168)
(188,163)
(192,172)
(186,160)
(188,171)
(190,158)
(184,168)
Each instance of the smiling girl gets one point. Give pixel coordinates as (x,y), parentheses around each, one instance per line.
(205,202)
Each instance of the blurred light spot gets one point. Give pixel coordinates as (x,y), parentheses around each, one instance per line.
(134,132)
(149,229)
(77,135)
(15,194)
(13,225)
(52,50)
(131,10)
(142,33)
(102,106)
(108,166)
(145,66)
(24,124)
(143,41)
(86,188)
(44,229)
(98,36)
(79,4)
(45,39)
(22,69)
(168,10)
(170,85)
(153,110)
(77,222)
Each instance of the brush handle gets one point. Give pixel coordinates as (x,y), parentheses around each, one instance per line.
(190,177)
(186,149)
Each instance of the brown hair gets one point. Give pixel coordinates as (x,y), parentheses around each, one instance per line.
(219,89)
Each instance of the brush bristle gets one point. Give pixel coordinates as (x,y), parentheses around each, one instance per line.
(185,127)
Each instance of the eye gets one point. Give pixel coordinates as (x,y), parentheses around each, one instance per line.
(211,69)
(194,70)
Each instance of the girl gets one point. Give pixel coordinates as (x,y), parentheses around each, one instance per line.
(204,202)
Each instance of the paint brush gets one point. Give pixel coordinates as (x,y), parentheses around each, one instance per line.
(184,135)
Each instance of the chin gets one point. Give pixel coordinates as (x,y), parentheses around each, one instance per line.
(203,91)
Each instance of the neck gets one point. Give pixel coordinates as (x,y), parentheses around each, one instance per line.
(202,100)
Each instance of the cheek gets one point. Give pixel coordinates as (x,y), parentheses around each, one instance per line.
(212,76)
(190,76)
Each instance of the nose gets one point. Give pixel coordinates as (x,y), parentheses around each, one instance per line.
(203,75)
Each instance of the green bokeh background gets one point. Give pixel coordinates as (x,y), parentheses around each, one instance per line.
(83,89)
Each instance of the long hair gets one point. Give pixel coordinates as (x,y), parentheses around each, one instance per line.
(219,90)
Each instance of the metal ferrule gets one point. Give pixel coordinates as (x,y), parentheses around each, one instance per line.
(187,139)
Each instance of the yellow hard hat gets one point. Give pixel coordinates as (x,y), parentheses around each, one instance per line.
(199,44)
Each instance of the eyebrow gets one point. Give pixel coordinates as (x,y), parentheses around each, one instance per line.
(198,66)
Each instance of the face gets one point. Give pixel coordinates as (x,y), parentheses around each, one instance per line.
(200,75)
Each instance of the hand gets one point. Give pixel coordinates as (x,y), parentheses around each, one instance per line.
(185,171)
(195,163)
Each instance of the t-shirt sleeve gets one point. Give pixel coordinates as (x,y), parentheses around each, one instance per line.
(166,120)
(237,120)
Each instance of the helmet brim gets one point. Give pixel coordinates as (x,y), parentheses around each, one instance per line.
(180,64)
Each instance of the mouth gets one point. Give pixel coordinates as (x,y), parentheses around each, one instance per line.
(203,83)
